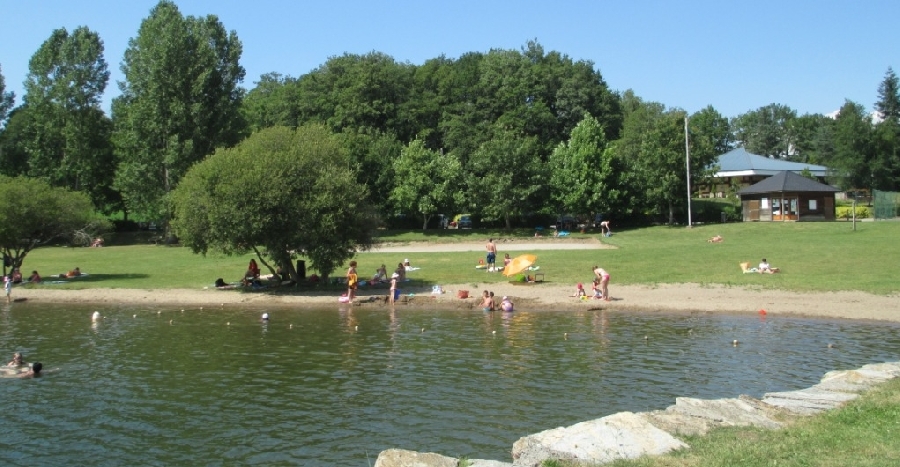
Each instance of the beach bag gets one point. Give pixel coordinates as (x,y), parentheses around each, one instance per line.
(462,294)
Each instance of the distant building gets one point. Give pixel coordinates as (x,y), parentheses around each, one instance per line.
(746,169)
(787,196)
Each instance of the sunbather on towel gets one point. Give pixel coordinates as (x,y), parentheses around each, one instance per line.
(765,268)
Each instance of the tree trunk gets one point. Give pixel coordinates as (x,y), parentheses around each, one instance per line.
(425,219)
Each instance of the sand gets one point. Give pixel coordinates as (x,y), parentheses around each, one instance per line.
(670,298)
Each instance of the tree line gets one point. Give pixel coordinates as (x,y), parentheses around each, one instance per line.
(505,134)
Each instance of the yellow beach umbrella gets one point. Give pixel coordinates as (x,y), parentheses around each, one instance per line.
(519,264)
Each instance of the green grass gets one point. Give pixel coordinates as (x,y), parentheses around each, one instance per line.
(863,433)
(813,257)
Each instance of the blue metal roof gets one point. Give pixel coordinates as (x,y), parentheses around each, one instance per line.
(739,160)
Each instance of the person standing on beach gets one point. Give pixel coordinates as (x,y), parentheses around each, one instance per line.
(8,286)
(604,281)
(491,254)
(394,278)
(352,279)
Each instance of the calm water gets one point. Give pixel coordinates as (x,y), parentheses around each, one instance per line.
(135,389)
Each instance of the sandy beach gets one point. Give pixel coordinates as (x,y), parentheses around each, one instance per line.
(668,298)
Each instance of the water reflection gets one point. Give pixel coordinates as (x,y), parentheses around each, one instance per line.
(335,387)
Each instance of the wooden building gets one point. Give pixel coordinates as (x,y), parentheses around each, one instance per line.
(787,196)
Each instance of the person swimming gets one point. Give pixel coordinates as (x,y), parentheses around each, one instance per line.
(16,361)
(33,372)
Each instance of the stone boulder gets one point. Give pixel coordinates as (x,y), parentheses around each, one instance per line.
(624,435)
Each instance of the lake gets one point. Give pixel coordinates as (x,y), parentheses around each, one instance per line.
(334,387)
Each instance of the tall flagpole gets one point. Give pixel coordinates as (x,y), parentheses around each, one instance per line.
(687,163)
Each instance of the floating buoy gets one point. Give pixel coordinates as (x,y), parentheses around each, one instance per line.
(830,345)
(228,323)
(423,329)
(566,335)
(265,316)
(291,326)
(761,311)
(646,338)
(95,316)
(356,328)
(734,342)
(170,321)
(134,316)
(494,332)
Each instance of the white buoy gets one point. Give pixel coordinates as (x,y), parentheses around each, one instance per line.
(228,323)
(170,321)
(356,328)
(134,316)
(291,327)
(265,316)
(734,342)
(95,316)
(493,332)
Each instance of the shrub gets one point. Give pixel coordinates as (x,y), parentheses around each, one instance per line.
(846,212)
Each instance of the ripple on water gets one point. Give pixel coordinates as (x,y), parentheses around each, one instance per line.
(340,386)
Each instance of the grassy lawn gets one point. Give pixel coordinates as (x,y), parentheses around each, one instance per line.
(812,256)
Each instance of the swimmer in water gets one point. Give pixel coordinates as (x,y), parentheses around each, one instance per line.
(33,372)
(17,361)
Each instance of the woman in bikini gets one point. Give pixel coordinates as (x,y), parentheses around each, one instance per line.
(604,281)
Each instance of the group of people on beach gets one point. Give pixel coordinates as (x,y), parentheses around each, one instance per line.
(399,275)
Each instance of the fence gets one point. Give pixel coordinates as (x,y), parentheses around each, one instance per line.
(885,204)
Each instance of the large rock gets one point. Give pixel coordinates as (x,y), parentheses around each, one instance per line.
(404,458)
(691,416)
(624,435)
(808,401)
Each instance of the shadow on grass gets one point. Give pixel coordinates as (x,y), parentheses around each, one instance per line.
(94,278)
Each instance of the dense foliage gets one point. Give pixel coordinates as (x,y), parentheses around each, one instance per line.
(279,193)
(506,135)
(33,213)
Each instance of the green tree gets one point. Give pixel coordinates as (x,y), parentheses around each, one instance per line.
(6,99)
(70,135)
(584,175)
(767,131)
(425,181)
(888,104)
(32,213)
(273,102)
(180,101)
(506,177)
(14,140)
(280,193)
(853,153)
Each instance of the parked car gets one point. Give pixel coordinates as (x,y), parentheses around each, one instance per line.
(461,221)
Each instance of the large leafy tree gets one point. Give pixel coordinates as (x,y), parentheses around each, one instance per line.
(425,181)
(273,102)
(767,131)
(279,193)
(6,99)
(888,104)
(32,213)
(584,175)
(69,144)
(180,101)
(853,147)
(506,177)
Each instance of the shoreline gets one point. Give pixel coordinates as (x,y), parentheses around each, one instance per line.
(671,298)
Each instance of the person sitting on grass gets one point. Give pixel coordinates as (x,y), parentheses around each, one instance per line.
(716,239)
(35,278)
(765,268)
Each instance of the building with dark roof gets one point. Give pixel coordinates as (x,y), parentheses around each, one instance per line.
(787,196)
(743,168)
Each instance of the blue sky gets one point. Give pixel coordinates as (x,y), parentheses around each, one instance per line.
(735,56)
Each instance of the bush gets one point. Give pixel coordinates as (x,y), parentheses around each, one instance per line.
(846,212)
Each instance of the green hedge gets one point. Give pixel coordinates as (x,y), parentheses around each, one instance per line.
(846,212)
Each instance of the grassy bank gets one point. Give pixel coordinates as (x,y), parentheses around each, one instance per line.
(863,434)
(813,256)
